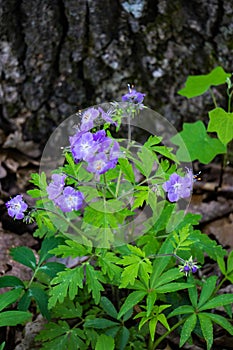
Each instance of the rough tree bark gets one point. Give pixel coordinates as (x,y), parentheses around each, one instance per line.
(57,56)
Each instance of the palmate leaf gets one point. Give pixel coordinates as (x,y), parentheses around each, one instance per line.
(66,283)
(131,300)
(220,320)
(199,144)
(60,336)
(219,300)
(207,329)
(221,122)
(196,85)
(187,329)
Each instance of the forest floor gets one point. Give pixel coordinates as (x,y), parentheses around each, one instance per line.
(213,203)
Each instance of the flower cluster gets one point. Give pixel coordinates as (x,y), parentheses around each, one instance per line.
(66,198)
(188,266)
(97,149)
(133,96)
(178,187)
(16,207)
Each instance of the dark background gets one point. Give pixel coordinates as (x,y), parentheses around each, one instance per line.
(59,56)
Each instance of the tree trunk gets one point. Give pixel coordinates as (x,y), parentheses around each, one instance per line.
(59,56)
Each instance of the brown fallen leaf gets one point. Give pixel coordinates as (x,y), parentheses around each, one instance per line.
(15,140)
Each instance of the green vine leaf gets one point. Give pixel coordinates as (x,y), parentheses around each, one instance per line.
(199,144)
(221,122)
(196,85)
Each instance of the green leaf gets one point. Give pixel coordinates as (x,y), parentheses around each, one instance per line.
(221,321)
(230,262)
(100,323)
(12,318)
(173,287)
(46,246)
(196,85)
(108,307)
(221,122)
(221,264)
(168,276)
(2,345)
(187,329)
(152,327)
(25,301)
(130,272)
(207,290)
(52,268)
(131,300)
(192,292)
(199,144)
(219,300)
(150,301)
(41,299)
(207,329)
(9,297)
(94,286)
(11,281)
(104,342)
(68,309)
(122,338)
(182,310)
(127,169)
(24,256)
(66,282)
(72,249)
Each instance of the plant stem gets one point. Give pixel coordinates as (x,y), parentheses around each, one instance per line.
(213,98)
(108,188)
(160,339)
(64,219)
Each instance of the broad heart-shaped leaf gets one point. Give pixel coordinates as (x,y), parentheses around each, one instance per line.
(207,329)
(196,85)
(199,144)
(104,342)
(24,256)
(12,318)
(221,122)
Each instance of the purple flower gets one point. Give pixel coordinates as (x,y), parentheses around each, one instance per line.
(16,207)
(133,96)
(178,187)
(99,164)
(100,136)
(84,146)
(87,119)
(55,188)
(106,117)
(70,200)
(189,266)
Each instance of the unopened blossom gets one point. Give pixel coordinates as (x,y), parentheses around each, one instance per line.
(88,118)
(70,199)
(16,207)
(106,117)
(178,187)
(55,188)
(133,96)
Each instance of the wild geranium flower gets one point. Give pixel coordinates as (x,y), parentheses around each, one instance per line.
(84,146)
(56,186)
(16,207)
(99,164)
(178,187)
(133,96)
(70,200)
(88,118)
